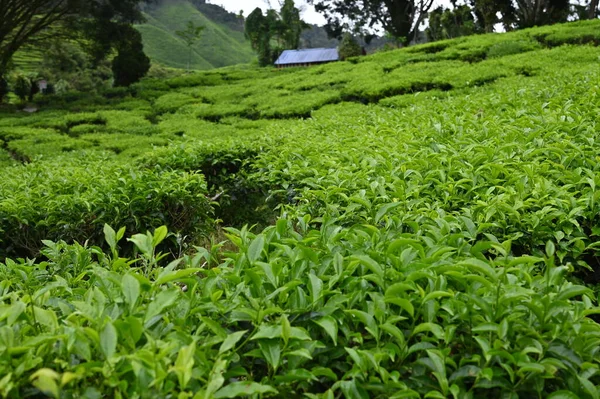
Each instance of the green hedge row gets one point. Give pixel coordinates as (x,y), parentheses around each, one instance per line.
(71,198)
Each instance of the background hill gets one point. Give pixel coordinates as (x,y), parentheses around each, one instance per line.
(222,42)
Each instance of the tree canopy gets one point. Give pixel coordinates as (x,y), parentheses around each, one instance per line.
(273,32)
(23,21)
(102,24)
(399,18)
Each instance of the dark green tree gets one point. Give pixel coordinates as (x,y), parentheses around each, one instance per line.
(66,62)
(530,13)
(25,22)
(4,89)
(273,32)
(190,35)
(593,10)
(21,86)
(97,22)
(130,63)
(256,30)
(292,25)
(448,24)
(399,18)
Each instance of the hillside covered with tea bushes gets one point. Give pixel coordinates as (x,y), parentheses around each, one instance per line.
(221,43)
(419,223)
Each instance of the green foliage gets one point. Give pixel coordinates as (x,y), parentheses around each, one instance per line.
(80,194)
(400,19)
(130,64)
(285,314)
(448,24)
(190,35)
(21,86)
(70,68)
(219,45)
(349,47)
(291,25)
(274,32)
(426,226)
(257,31)
(512,47)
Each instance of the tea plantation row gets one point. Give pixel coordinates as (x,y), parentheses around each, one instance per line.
(431,231)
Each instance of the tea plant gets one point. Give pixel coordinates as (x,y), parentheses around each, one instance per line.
(358,312)
(425,226)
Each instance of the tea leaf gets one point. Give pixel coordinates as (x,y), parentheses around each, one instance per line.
(256,247)
(231,340)
(108,340)
(245,388)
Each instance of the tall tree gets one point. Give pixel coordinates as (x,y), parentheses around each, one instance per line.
(273,32)
(448,24)
(130,64)
(23,22)
(531,13)
(99,22)
(190,35)
(292,24)
(593,11)
(399,18)
(257,31)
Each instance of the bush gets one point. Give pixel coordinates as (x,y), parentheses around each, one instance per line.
(21,87)
(78,196)
(510,47)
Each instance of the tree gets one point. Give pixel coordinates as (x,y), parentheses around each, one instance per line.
(448,24)
(130,64)
(66,62)
(273,32)
(190,35)
(292,25)
(103,25)
(31,22)
(593,11)
(23,22)
(256,29)
(349,47)
(399,18)
(530,13)
(21,86)
(3,88)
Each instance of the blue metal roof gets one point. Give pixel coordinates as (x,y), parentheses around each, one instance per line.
(308,56)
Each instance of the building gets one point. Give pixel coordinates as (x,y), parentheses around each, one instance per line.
(307,57)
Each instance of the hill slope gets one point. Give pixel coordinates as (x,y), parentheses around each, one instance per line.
(438,229)
(220,44)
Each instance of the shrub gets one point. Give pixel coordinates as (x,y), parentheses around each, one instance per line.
(510,47)
(21,86)
(78,196)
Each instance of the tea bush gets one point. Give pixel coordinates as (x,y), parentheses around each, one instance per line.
(5,158)
(299,311)
(80,194)
(425,226)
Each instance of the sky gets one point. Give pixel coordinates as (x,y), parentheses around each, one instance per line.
(308,12)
